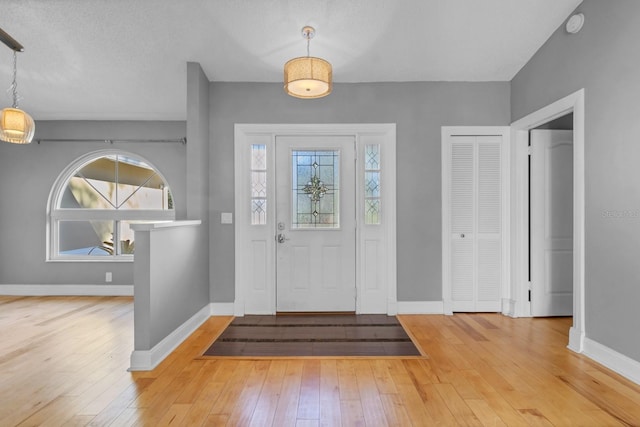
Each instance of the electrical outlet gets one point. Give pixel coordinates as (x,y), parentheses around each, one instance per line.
(108,277)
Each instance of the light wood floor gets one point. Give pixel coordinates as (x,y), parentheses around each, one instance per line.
(63,361)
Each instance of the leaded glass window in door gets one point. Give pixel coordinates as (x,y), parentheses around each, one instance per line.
(315,201)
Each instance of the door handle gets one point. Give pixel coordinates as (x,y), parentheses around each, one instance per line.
(280,238)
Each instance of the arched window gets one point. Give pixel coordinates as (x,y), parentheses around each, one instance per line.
(94,202)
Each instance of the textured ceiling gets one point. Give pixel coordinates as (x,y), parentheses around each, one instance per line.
(126,59)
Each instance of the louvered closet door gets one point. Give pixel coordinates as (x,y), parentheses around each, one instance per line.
(462,222)
(476,223)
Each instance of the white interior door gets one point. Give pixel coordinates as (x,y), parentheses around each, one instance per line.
(551,222)
(474,193)
(316,227)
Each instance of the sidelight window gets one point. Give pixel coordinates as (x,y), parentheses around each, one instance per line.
(258,184)
(372,170)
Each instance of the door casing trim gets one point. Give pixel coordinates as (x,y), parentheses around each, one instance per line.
(385,135)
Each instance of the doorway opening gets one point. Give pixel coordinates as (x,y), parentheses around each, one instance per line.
(521,306)
(551,218)
(259,233)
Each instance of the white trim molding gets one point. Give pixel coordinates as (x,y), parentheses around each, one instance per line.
(147,360)
(509,307)
(613,360)
(67,290)
(573,103)
(420,307)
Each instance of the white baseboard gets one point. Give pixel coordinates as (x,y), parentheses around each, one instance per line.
(509,307)
(67,290)
(420,307)
(222,309)
(576,340)
(613,360)
(147,360)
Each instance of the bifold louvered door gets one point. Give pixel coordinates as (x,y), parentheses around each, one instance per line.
(475,222)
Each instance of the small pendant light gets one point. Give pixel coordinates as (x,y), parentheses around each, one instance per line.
(16,126)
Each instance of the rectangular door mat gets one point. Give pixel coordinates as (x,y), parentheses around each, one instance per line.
(314,335)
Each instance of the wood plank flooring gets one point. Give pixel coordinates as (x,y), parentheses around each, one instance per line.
(64,360)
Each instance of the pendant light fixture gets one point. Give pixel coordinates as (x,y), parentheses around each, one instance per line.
(16,126)
(308,77)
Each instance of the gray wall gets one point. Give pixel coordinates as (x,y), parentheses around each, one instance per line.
(198,148)
(27,173)
(603,58)
(198,204)
(419,109)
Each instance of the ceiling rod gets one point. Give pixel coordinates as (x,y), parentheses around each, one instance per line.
(111,141)
(10,42)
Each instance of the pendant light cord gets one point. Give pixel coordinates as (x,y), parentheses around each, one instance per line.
(14,84)
(308,41)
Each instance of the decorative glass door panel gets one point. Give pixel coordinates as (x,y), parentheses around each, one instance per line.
(315,217)
(316,189)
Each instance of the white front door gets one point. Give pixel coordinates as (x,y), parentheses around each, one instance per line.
(315,221)
(551,222)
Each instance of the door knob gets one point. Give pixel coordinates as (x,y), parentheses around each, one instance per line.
(280,238)
(462,236)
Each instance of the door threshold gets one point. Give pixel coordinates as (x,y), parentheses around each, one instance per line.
(315,313)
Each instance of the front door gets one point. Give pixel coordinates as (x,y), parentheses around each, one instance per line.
(551,222)
(315,223)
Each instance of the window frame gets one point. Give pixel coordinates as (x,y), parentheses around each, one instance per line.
(55,214)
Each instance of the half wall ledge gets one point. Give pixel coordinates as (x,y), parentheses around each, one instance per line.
(171,288)
(148,226)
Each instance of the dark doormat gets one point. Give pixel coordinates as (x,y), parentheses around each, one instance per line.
(314,335)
